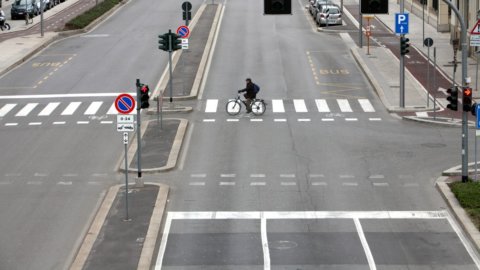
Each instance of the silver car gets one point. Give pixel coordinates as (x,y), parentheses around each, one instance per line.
(329,15)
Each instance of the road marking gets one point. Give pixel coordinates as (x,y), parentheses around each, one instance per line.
(366,105)
(198,175)
(227,184)
(287,175)
(71,108)
(344,105)
(49,109)
(59,123)
(93,108)
(376,176)
(366,248)
(277,106)
(375,119)
(112,109)
(211,106)
(209,120)
(11,124)
(380,184)
(256,120)
(27,109)
(257,184)
(280,120)
(319,184)
(288,183)
(233,120)
(266,250)
(82,122)
(300,106)
(258,175)
(34,123)
(106,122)
(228,175)
(349,184)
(351,119)
(37,183)
(62,183)
(328,119)
(303,120)
(316,175)
(6,108)
(322,105)
(197,183)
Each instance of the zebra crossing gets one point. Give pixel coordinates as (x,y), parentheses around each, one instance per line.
(305,106)
(59,108)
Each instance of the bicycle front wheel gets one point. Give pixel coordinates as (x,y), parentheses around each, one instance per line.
(258,107)
(233,107)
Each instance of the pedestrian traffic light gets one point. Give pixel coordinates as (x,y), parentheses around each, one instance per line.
(374,7)
(277,7)
(164,42)
(176,42)
(452,99)
(467,99)
(404,45)
(144,97)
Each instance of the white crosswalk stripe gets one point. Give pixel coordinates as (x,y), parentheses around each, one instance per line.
(27,109)
(93,108)
(6,108)
(49,109)
(344,105)
(277,106)
(71,108)
(300,105)
(366,105)
(211,106)
(322,105)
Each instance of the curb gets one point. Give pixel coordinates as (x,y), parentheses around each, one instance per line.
(444,122)
(458,212)
(97,224)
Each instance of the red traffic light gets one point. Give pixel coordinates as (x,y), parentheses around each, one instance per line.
(467,91)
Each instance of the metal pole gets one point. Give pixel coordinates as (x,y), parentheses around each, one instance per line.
(476,73)
(360,29)
(423,20)
(463,40)
(402,66)
(434,83)
(41,16)
(476,154)
(428,77)
(170,64)
(139,141)
(125,134)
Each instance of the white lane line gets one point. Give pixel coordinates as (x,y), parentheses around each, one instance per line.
(291,175)
(59,123)
(82,122)
(366,248)
(300,106)
(257,184)
(376,176)
(71,108)
(233,120)
(64,183)
(328,119)
(93,108)
(64,95)
(349,184)
(227,184)
(37,183)
(316,175)
(266,250)
(351,119)
(106,122)
(227,175)
(211,106)
(35,123)
(11,124)
(366,105)
(303,120)
(288,183)
(198,175)
(375,119)
(344,105)
(465,241)
(6,108)
(49,109)
(163,243)
(256,120)
(27,109)
(319,184)
(209,120)
(380,184)
(257,175)
(280,120)
(277,106)
(196,183)
(322,105)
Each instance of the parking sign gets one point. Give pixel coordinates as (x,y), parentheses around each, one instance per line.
(401,23)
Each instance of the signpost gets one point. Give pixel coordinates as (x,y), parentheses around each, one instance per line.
(475,35)
(401,27)
(401,23)
(477,133)
(125,104)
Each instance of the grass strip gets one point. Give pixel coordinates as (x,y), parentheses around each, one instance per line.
(468,195)
(82,20)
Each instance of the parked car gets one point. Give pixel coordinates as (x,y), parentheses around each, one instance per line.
(46,5)
(329,15)
(20,7)
(312,6)
(318,7)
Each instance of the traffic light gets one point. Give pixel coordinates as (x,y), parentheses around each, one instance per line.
(176,42)
(187,15)
(374,7)
(144,97)
(164,42)
(467,99)
(452,99)
(276,7)
(404,45)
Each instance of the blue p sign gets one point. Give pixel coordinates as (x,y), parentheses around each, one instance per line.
(401,23)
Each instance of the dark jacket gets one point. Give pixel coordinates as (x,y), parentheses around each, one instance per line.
(250,92)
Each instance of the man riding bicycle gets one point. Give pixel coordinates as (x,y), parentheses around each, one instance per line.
(250,94)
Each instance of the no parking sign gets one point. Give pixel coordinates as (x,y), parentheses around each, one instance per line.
(183,31)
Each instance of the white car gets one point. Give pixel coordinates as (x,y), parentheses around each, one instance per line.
(329,15)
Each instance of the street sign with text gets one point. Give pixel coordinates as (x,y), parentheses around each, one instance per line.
(401,23)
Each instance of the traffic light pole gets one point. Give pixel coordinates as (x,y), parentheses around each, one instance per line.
(402,64)
(170,49)
(463,40)
(139,144)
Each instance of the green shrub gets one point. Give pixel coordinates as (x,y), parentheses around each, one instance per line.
(468,195)
(82,20)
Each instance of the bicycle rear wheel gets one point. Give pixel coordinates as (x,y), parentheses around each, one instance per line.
(233,107)
(258,107)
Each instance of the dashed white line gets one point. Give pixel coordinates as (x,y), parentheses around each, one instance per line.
(11,124)
(198,175)
(319,184)
(227,175)
(257,175)
(34,123)
(380,184)
(208,120)
(350,184)
(328,119)
(197,183)
(288,183)
(287,175)
(227,183)
(257,184)
(59,123)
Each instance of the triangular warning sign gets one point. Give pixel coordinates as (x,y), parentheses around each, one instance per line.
(476,29)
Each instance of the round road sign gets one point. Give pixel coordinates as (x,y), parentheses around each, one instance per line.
(124,103)
(186,6)
(183,31)
(428,42)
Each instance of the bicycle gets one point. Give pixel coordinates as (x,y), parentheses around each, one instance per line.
(235,105)
(3,24)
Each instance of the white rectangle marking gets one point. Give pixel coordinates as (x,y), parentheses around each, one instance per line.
(228,175)
(266,250)
(232,120)
(27,109)
(300,106)
(93,108)
(277,106)
(209,120)
(227,183)
(197,183)
(375,119)
(6,108)
(11,124)
(287,175)
(256,120)
(71,108)
(303,120)
(344,105)
(257,184)
(211,106)
(322,105)
(34,123)
(257,175)
(328,119)
(280,120)
(49,109)
(198,175)
(288,183)
(82,122)
(380,184)
(351,119)
(319,184)
(366,105)
(59,123)
(106,122)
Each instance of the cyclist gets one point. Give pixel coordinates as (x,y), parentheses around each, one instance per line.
(2,17)
(249,95)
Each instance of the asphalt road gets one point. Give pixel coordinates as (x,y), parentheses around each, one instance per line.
(60,146)
(305,186)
